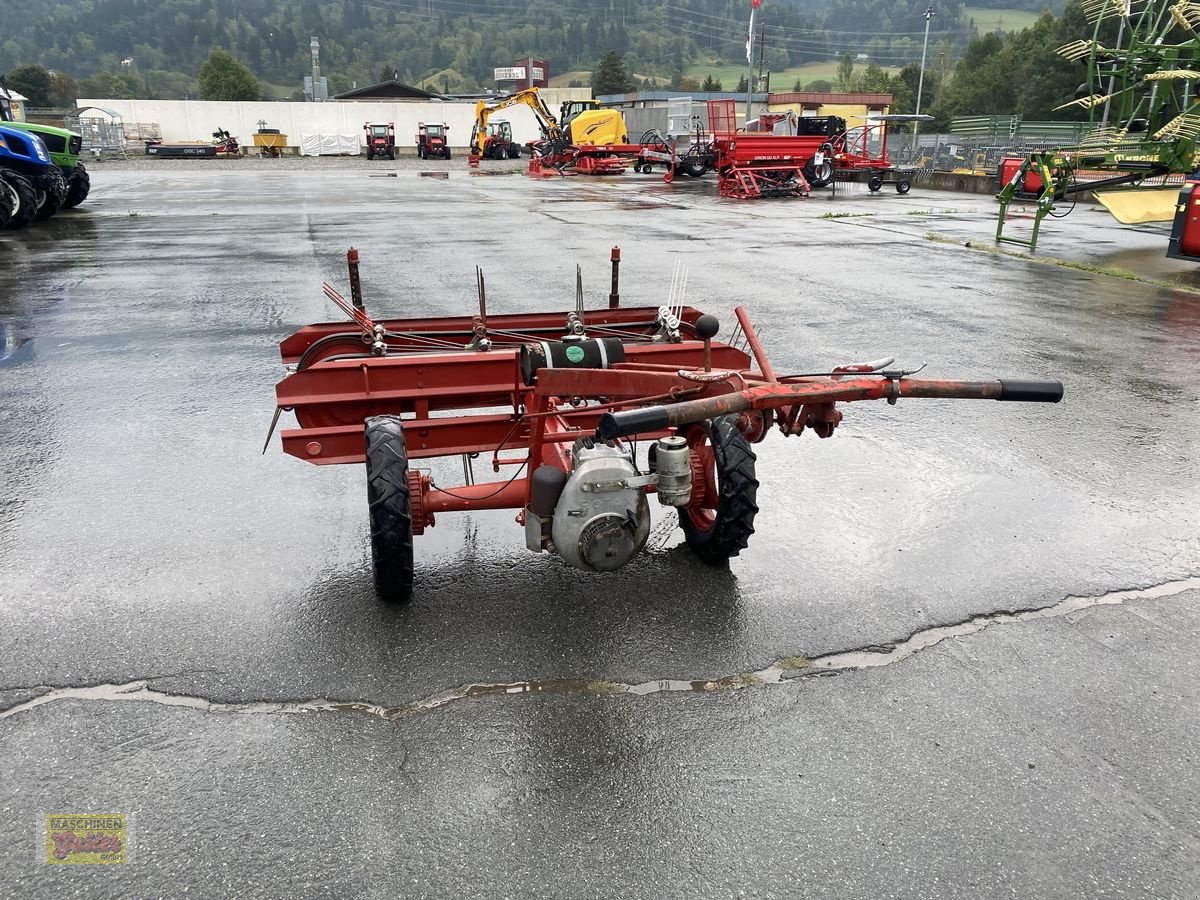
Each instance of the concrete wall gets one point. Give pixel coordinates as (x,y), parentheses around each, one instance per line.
(190,120)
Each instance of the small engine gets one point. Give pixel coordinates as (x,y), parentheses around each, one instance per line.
(600,517)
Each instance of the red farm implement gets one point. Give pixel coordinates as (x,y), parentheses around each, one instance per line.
(862,153)
(561,402)
(753,164)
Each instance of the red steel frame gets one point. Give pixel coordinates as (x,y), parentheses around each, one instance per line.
(757,164)
(458,398)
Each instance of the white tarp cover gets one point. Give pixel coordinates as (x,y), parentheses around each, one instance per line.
(329,145)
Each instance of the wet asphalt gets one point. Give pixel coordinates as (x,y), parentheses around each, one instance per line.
(195,625)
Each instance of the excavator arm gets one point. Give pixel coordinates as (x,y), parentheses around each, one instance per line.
(529,97)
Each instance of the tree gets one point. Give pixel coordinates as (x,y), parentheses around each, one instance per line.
(32,81)
(741,85)
(845,72)
(610,76)
(711,84)
(109,86)
(63,90)
(224,78)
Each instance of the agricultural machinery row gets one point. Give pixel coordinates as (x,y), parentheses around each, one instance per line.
(778,154)
(40,171)
(588,412)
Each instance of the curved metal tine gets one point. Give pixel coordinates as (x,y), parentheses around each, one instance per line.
(579,291)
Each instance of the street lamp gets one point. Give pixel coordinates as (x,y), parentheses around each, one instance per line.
(921,77)
(754,4)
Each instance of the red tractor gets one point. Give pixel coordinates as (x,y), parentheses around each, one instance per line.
(381,139)
(431,140)
(499,143)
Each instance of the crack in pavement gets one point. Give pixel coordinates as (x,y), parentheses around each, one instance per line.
(778,672)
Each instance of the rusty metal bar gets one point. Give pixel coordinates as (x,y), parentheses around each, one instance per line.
(823,391)
(355,285)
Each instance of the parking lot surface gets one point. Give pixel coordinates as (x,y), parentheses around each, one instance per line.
(190,635)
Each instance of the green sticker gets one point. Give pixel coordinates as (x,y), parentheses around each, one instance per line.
(575,354)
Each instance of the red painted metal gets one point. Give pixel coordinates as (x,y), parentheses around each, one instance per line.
(423,369)
(758,164)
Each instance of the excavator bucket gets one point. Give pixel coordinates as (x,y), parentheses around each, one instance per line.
(1141,206)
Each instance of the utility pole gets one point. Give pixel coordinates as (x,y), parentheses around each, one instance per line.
(754,4)
(921,77)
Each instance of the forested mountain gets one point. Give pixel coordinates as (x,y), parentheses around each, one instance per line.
(157,46)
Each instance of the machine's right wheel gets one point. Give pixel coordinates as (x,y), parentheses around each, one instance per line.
(390,504)
(719,520)
(78,187)
(24,214)
(420,152)
(447,154)
(903,186)
(874,184)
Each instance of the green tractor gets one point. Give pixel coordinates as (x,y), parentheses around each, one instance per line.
(64,147)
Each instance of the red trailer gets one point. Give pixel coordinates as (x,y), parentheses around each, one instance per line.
(561,404)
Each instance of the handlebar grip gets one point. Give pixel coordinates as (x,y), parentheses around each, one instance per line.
(632,421)
(1031,391)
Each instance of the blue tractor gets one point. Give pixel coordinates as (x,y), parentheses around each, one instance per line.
(34,185)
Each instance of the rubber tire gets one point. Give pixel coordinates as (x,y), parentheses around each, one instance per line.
(737,503)
(79,185)
(514,151)
(391,154)
(820,177)
(874,184)
(27,211)
(56,193)
(370,155)
(447,154)
(694,168)
(8,201)
(903,187)
(390,508)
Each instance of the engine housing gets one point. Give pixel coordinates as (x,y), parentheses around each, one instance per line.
(602,519)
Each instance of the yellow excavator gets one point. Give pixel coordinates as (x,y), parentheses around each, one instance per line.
(583,123)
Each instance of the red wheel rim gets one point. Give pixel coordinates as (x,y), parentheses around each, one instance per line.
(702,509)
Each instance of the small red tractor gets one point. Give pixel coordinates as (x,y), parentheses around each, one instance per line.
(499,143)
(431,140)
(563,403)
(381,139)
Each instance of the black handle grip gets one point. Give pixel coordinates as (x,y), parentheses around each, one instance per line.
(631,421)
(1031,391)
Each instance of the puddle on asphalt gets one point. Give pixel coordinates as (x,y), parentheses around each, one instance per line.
(780,671)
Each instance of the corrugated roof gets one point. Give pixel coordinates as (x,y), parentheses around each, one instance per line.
(816,97)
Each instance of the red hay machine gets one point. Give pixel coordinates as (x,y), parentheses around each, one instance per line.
(562,401)
(863,152)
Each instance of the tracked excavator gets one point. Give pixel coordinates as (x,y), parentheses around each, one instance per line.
(583,124)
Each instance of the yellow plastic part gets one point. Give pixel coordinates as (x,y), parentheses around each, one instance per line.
(1141,206)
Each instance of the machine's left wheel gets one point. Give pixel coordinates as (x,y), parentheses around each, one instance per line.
(902,186)
(78,186)
(390,503)
(874,183)
(719,520)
